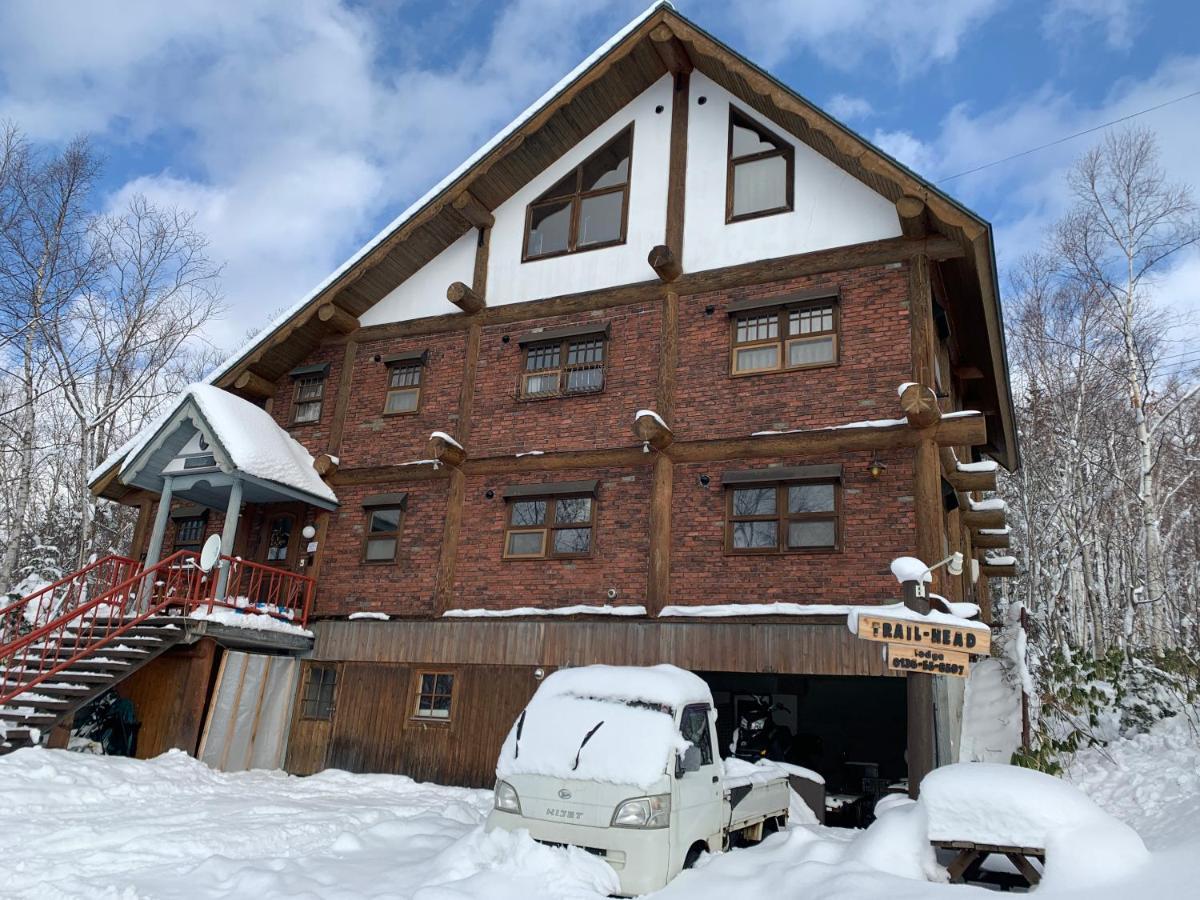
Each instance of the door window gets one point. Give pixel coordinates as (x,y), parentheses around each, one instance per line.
(279,538)
(693,725)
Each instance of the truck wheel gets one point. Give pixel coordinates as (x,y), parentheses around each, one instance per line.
(693,854)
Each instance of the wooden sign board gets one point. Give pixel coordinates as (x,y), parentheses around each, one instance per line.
(907,658)
(925,634)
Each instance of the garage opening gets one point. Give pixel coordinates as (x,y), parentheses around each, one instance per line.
(852,731)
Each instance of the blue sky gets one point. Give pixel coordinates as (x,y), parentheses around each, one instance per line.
(297,128)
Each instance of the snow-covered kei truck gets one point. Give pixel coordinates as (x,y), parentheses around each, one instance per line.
(623,763)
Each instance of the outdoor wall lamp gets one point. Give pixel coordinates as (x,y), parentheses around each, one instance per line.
(875,467)
(953,564)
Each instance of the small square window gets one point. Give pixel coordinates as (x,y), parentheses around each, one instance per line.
(559,527)
(189,533)
(434,696)
(382,538)
(404,388)
(319,692)
(310,391)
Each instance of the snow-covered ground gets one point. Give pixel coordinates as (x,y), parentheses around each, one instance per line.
(85,826)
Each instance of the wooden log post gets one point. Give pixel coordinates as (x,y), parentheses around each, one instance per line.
(658,591)
(670,50)
(927,508)
(920,406)
(470,208)
(326,465)
(665,264)
(982,518)
(914,218)
(446,452)
(464,297)
(990,538)
(337,318)
(255,385)
(653,432)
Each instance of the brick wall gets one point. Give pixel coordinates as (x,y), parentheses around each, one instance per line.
(619,558)
(709,403)
(346,584)
(503,424)
(878,525)
(874,358)
(371,438)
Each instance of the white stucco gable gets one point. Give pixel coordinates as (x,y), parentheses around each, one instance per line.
(832,208)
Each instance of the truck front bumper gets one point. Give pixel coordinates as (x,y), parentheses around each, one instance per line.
(640,857)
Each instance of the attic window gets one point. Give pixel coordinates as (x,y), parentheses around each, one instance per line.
(761,171)
(585,209)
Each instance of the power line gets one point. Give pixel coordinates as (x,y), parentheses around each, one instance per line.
(1069,137)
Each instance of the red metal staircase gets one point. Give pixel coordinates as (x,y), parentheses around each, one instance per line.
(67,643)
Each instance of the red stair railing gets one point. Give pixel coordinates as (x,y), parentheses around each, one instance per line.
(47,603)
(175,586)
(176,583)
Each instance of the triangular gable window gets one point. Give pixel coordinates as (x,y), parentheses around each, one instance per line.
(761,171)
(585,209)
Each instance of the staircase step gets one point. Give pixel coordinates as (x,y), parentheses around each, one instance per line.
(99,662)
(34,718)
(90,679)
(118,650)
(68,690)
(15,739)
(34,700)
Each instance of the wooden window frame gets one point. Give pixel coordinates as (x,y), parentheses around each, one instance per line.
(576,199)
(320,401)
(788,152)
(396,366)
(369,535)
(564,368)
(781,517)
(548,527)
(414,698)
(785,339)
(311,707)
(176,546)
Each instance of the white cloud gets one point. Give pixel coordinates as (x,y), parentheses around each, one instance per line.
(848,108)
(915,34)
(1073,19)
(1023,196)
(289,131)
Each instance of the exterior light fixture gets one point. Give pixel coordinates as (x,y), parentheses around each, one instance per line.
(875,467)
(309,532)
(705,480)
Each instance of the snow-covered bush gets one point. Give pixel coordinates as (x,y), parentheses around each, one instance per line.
(1085,702)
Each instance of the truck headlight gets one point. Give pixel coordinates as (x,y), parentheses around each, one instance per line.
(644,812)
(506,799)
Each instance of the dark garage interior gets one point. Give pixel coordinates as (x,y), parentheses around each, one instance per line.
(851,730)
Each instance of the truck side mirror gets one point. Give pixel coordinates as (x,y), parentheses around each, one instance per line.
(689,761)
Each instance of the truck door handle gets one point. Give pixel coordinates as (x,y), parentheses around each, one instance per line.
(714,779)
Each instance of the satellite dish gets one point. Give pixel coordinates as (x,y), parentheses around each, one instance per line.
(210,553)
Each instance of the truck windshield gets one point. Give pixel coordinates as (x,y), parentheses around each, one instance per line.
(593,738)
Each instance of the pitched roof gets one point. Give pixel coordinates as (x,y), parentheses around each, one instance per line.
(251,440)
(616,72)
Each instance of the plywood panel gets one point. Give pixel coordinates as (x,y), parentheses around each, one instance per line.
(372,730)
(787,646)
(169,698)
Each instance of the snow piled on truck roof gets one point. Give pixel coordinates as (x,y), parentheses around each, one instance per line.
(625,709)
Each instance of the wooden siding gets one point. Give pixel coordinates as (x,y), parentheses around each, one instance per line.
(372,731)
(804,648)
(170,696)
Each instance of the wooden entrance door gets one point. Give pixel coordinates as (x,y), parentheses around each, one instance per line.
(280,544)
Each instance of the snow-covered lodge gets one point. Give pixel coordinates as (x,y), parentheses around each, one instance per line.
(668,371)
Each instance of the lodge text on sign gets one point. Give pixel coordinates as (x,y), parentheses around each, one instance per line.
(907,658)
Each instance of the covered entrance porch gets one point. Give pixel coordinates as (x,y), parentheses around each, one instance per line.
(239,475)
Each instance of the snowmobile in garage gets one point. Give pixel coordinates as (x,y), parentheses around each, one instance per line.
(758,735)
